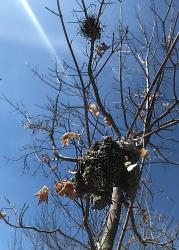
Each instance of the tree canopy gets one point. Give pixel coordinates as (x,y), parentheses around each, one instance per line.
(112,118)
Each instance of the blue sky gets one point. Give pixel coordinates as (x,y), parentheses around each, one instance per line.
(23,47)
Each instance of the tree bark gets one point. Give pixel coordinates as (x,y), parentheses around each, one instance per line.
(111,227)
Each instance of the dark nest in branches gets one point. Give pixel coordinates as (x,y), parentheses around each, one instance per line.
(91,28)
(104,166)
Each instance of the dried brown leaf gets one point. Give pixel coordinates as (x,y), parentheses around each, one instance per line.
(69,135)
(107,120)
(2,215)
(66,188)
(93,109)
(144,153)
(42,194)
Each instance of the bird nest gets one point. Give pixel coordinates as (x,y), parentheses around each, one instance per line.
(91,28)
(106,164)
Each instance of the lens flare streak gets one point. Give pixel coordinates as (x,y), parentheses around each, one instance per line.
(37,25)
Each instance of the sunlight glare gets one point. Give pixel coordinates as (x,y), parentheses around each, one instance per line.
(37,25)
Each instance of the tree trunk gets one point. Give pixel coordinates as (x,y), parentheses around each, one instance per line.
(111,227)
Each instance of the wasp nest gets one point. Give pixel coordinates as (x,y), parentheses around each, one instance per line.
(91,28)
(103,166)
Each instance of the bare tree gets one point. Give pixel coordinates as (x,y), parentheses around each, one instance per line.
(106,145)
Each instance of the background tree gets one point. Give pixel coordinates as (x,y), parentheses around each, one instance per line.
(101,196)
